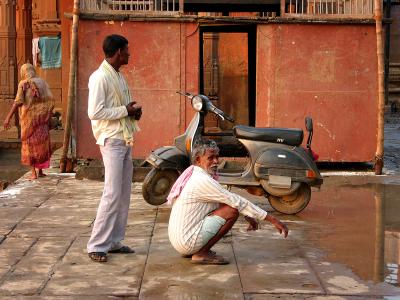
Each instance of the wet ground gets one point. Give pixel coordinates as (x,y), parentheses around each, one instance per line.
(345,245)
(10,166)
(10,157)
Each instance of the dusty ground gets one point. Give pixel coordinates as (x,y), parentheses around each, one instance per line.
(343,246)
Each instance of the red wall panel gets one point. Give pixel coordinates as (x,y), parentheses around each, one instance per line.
(327,72)
(155,72)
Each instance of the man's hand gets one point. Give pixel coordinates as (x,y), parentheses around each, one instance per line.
(138,113)
(281,227)
(6,124)
(253,224)
(134,110)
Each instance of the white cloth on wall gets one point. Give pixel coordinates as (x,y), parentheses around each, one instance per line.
(35,50)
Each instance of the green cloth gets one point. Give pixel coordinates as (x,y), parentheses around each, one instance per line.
(50,52)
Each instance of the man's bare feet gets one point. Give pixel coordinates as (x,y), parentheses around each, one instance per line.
(33,176)
(209,258)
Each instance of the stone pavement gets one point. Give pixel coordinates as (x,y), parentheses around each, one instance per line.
(45,224)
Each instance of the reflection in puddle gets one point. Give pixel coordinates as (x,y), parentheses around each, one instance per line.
(358,226)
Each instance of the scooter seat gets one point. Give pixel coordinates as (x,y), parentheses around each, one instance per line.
(287,136)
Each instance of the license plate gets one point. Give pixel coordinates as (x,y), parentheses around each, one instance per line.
(280,181)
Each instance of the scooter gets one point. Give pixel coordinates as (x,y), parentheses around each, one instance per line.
(278,166)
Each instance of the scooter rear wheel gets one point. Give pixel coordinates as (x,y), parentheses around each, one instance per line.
(157,185)
(293,203)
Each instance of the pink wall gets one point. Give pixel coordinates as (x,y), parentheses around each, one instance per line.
(161,55)
(327,72)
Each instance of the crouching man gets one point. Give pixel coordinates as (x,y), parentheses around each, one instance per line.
(203,211)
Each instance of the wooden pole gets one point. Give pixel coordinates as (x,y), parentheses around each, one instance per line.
(71,86)
(379,253)
(283,7)
(381,88)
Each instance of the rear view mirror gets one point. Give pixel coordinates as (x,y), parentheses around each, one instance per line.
(309,124)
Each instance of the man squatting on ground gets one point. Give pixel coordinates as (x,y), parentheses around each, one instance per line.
(114,117)
(203,211)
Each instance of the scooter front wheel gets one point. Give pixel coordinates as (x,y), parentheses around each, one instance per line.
(293,203)
(157,185)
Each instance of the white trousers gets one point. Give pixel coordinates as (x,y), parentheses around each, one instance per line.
(112,213)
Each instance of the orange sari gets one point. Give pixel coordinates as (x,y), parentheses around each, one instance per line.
(35,110)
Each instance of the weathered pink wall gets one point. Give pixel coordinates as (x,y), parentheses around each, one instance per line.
(164,59)
(324,71)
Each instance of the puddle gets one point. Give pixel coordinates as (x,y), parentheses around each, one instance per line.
(358,226)
(10,167)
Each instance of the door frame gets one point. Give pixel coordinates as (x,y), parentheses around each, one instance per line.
(251,31)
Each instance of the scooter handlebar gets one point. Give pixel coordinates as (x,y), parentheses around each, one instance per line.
(222,115)
(210,107)
(185,94)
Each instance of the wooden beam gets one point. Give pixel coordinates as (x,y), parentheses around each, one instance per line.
(71,90)
(381,88)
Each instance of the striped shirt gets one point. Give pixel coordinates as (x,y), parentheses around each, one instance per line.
(200,196)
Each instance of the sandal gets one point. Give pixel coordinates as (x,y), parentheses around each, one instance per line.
(190,255)
(98,256)
(123,249)
(211,260)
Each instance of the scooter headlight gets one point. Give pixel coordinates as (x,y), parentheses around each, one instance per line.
(197,103)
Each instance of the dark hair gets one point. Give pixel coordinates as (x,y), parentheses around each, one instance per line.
(112,43)
(200,147)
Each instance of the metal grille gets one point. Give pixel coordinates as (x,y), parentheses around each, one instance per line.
(347,8)
(129,6)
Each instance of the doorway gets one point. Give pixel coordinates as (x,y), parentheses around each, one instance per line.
(228,73)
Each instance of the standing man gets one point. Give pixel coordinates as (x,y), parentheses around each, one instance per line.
(203,211)
(114,117)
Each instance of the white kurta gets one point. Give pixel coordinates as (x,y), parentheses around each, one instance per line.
(102,112)
(200,196)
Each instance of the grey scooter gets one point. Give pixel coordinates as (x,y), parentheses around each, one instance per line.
(278,166)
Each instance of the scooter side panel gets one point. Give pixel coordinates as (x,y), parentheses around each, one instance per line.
(284,162)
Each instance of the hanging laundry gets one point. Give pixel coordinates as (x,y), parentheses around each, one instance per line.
(35,50)
(50,50)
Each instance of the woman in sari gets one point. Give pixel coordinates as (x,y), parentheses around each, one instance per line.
(35,103)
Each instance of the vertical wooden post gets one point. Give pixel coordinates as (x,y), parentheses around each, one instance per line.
(388,9)
(283,4)
(71,87)
(381,88)
(181,6)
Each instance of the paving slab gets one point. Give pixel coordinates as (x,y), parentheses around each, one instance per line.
(305,297)
(75,297)
(78,275)
(141,216)
(268,263)
(11,216)
(13,249)
(43,230)
(11,252)
(169,276)
(46,251)
(23,284)
(49,216)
